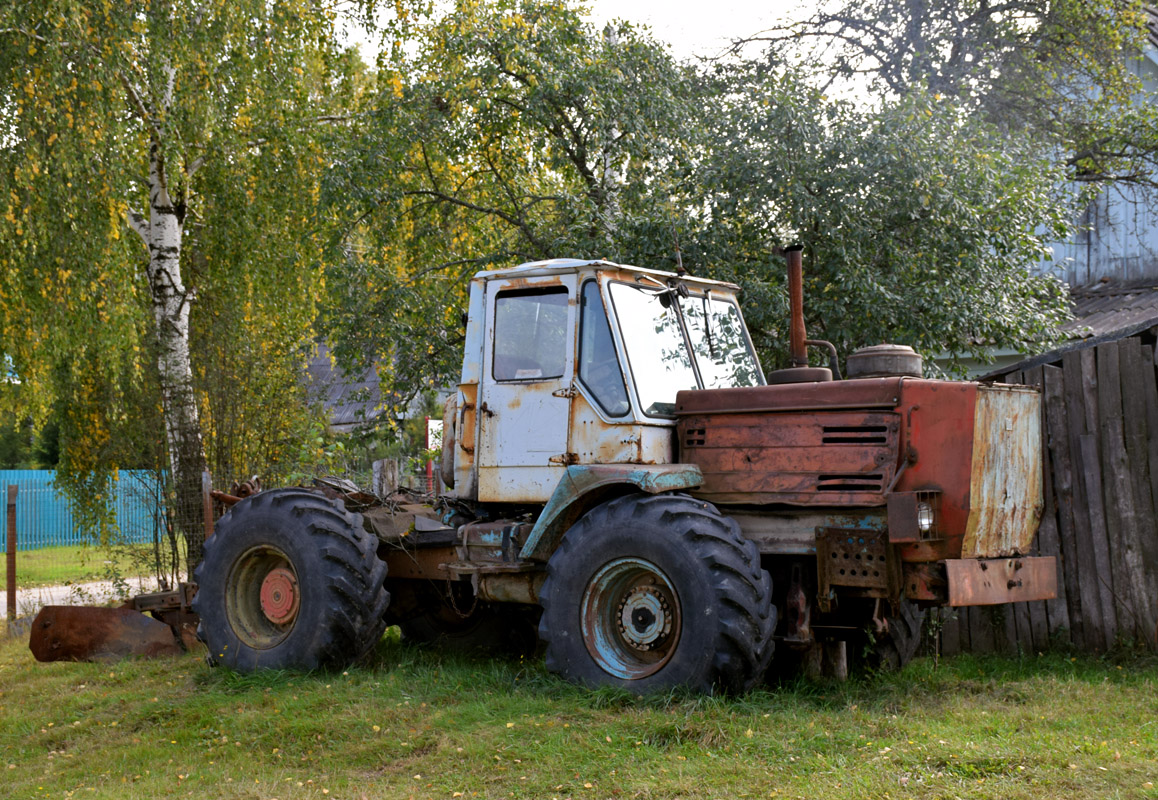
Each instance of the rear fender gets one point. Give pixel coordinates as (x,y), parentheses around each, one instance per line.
(585,486)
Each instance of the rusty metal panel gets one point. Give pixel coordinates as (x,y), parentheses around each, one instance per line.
(513,587)
(561,266)
(798,458)
(428,562)
(597,441)
(925,582)
(793,532)
(858,561)
(1005,490)
(472,348)
(466,429)
(524,419)
(498,541)
(656,444)
(984,582)
(938,436)
(864,393)
(903,517)
(80,633)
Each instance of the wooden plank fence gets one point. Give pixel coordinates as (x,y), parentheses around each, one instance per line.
(1101,496)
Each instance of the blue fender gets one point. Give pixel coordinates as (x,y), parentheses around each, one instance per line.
(585,486)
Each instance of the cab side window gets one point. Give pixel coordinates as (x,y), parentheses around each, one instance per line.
(598,365)
(530,334)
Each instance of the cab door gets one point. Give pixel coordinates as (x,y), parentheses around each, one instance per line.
(525,399)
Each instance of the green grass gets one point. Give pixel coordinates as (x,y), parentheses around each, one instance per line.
(414,723)
(56,566)
(53,566)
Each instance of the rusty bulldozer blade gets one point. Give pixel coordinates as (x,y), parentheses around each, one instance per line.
(78,633)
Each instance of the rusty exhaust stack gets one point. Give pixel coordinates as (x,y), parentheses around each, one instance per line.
(796,332)
(798,341)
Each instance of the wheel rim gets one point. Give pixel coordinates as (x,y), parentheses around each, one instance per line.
(262,597)
(630,618)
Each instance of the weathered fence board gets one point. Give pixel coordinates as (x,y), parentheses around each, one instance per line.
(1118,498)
(1061,476)
(1139,555)
(1089,582)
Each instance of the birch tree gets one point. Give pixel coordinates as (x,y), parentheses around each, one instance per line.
(111,117)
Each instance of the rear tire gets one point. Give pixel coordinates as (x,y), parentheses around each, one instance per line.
(898,646)
(290,580)
(651,592)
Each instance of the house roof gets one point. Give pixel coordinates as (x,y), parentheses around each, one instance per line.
(1151,24)
(1105,312)
(1113,307)
(350,400)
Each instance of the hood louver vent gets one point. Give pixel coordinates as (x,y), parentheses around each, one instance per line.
(855,434)
(850,483)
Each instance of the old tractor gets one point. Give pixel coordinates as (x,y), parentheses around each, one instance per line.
(626,484)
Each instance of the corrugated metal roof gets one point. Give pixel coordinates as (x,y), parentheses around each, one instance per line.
(1112,306)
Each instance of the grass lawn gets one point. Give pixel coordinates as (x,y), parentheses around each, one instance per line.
(415,723)
(56,566)
(53,566)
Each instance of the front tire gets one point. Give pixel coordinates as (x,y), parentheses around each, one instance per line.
(651,592)
(290,580)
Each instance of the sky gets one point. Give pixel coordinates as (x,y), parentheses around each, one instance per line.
(699,27)
(692,27)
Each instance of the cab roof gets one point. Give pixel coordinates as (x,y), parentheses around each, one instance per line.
(559,266)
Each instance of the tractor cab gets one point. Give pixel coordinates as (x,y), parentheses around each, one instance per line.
(579,362)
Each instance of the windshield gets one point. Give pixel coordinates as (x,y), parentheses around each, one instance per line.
(657,352)
(722,351)
(658,357)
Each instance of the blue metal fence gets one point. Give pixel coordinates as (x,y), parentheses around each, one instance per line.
(44,518)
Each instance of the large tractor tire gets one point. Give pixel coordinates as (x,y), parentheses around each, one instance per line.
(651,592)
(290,580)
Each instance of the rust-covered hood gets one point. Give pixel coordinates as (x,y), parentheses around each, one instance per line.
(853,443)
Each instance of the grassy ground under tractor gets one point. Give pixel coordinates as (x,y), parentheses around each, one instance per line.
(413,723)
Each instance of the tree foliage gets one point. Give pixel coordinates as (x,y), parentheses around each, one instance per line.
(1058,72)
(921,224)
(198,123)
(516,132)
(506,131)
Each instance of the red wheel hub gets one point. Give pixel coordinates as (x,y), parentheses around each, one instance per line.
(279,596)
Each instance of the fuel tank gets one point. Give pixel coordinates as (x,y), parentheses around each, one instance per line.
(975,448)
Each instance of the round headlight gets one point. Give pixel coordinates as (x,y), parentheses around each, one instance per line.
(924,517)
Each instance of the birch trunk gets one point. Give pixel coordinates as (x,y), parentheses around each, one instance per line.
(162,232)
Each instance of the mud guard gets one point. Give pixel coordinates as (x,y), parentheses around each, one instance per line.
(585,486)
